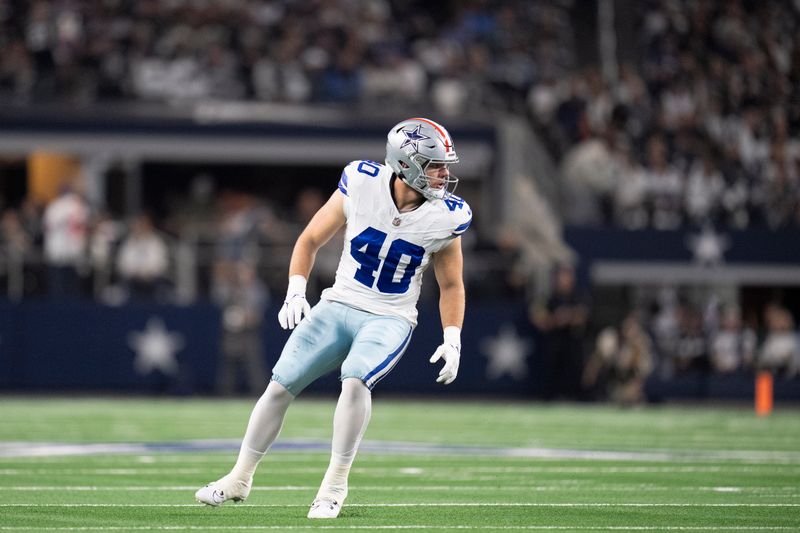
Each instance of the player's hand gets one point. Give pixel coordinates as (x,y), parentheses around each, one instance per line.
(295,306)
(450,351)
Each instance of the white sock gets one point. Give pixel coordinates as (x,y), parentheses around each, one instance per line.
(263,428)
(349,423)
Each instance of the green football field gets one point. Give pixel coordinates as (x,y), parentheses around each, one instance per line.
(110,464)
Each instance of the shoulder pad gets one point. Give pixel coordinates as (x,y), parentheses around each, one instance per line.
(356,171)
(460,214)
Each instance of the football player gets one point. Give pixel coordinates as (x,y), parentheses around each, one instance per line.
(398,218)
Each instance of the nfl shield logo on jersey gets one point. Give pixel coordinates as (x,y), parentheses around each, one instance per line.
(396,221)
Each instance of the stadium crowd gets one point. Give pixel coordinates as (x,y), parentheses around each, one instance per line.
(671,336)
(285,51)
(703,127)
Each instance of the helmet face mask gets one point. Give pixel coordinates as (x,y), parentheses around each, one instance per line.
(416,150)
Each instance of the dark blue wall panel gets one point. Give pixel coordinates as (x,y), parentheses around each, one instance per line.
(57,347)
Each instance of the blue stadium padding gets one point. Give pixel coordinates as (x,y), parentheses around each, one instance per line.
(58,347)
(742,246)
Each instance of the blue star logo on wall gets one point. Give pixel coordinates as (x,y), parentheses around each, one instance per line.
(413,138)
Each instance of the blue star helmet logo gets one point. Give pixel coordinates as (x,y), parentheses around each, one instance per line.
(413,138)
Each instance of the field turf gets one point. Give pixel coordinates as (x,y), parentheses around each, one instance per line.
(134,464)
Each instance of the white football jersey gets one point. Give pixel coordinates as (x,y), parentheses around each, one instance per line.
(385,252)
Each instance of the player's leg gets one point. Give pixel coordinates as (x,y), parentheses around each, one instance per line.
(350,420)
(263,428)
(378,346)
(315,347)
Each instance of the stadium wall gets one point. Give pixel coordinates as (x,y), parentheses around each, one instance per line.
(158,349)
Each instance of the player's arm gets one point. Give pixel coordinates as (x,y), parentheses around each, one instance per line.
(448,264)
(324,225)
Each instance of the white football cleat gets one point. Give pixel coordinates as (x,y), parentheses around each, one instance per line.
(224,489)
(324,508)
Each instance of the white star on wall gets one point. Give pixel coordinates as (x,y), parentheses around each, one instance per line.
(155,348)
(506,353)
(708,247)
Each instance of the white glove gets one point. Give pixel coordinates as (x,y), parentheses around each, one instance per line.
(295,306)
(450,351)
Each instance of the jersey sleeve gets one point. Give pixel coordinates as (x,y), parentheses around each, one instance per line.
(353,181)
(461,217)
(355,174)
(349,183)
(347,178)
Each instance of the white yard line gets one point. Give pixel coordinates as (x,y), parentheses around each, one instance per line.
(402,527)
(536,487)
(48,449)
(301,458)
(792,468)
(420,504)
(429,470)
(104,471)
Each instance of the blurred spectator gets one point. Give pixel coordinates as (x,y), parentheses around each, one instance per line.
(241,219)
(736,200)
(104,237)
(500,273)
(15,245)
(65,227)
(30,216)
(282,78)
(692,351)
(597,370)
(780,352)
(704,189)
(630,192)
(393,76)
(665,186)
(341,81)
(15,239)
(733,347)
(588,172)
(665,323)
(143,261)
(194,217)
(562,321)
(634,363)
(782,188)
(17,74)
(243,300)
(620,363)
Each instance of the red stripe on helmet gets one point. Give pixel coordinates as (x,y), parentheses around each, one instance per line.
(440,130)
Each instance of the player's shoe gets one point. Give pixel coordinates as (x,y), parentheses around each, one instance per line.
(224,489)
(324,508)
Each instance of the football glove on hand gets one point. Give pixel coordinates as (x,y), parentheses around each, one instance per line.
(295,306)
(450,351)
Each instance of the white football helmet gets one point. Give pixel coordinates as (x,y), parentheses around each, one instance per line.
(414,144)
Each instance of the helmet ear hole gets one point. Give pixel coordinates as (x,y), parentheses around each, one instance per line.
(404,164)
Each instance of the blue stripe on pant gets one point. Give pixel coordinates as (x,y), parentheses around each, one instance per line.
(383,369)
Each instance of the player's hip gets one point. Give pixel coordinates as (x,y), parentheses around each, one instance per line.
(369,301)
